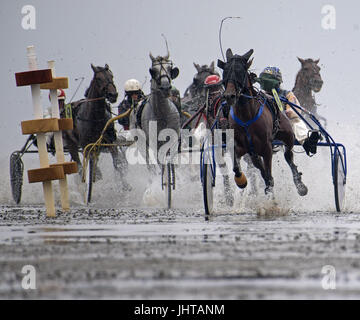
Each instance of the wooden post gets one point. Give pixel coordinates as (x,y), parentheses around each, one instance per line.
(59,147)
(45,79)
(41,140)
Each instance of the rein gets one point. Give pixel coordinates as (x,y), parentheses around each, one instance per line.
(92,120)
(96,80)
(94,99)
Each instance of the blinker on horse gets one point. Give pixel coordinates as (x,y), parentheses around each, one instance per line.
(253,123)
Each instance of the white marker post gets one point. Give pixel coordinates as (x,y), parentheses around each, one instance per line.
(59,146)
(41,140)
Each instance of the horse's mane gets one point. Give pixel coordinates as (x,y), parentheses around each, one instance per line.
(87,92)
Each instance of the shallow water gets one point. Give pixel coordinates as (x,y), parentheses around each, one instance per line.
(125,246)
(176,254)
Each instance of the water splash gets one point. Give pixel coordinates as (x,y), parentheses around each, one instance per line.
(188,193)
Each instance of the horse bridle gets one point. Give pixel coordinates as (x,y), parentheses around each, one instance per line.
(232,77)
(105,87)
(99,98)
(162,68)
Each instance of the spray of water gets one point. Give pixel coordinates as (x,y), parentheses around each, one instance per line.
(147,190)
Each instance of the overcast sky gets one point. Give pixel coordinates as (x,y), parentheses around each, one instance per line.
(121,33)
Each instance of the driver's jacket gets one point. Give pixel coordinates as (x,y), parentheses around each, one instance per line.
(297,124)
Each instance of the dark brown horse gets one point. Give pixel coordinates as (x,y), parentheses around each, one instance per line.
(90,116)
(253,123)
(308,80)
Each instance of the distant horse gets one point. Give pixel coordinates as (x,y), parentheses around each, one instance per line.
(253,123)
(194,96)
(91,114)
(308,80)
(158,107)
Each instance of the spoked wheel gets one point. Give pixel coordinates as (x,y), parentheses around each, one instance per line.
(90,179)
(16,175)
(208,183)
(167,174)
(339,180)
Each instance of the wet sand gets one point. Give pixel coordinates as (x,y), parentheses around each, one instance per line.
(147,253)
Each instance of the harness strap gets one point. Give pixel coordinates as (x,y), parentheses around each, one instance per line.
(216,106)
(246,125)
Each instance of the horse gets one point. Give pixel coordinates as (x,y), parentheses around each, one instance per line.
(90,116)
(308,80)
(158,108)
(253,123)
(194,95)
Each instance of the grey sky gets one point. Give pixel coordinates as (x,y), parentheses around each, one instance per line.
(122,33)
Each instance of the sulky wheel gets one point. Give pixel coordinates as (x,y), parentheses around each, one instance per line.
(16,175)
(207,181)
(166,182)
(339,180)
(90,179)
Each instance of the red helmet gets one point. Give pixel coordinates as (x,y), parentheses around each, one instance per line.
(60,94)
(212,80)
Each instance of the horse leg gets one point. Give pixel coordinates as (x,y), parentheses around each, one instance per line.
(71,144)
(286,135)
(251,174)
(73,150)
(240,178)
(300,186)
(120,164)
(229,198)
(264,165)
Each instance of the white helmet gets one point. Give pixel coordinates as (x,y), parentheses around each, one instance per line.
(132,85)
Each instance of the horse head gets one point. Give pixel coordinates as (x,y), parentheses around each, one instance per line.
(162,73)
(236,77)
(103,79)
(202,73)
(310,72)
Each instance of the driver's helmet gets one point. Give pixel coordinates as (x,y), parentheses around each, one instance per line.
(213,84)
(270,78)
(60,94)
(212,81)
(273,72)
(132,86)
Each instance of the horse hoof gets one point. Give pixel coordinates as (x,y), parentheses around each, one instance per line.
(268,190)
(241,181)
(302,189)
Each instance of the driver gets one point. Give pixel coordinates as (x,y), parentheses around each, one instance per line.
(270,78)
(215,99)
(133,95)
